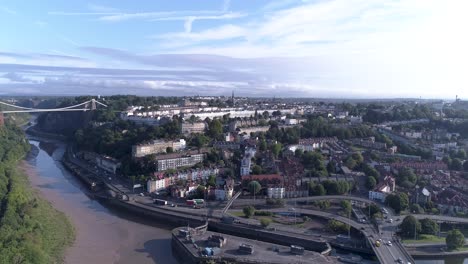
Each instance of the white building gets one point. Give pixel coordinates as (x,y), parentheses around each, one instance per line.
(380,192)
(413,134)
(291,121)
(275,193)
(155,185)
(157,147)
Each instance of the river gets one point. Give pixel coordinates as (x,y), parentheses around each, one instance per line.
(102,234)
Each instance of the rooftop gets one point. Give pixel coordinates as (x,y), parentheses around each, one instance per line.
(262,252)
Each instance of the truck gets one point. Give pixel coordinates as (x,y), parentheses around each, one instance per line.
(160,202)
(195,202)
(199,201)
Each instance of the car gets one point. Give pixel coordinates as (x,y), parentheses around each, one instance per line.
(391,220)
(142,194)
(173,205)
(389,243)
(399,260)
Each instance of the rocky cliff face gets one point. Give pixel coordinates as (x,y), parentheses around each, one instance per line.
(65,123)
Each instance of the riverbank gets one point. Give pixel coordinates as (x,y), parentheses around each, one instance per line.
(103,235)
(57,230)
(31,230)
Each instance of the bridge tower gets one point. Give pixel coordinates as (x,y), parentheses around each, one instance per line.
(93,104)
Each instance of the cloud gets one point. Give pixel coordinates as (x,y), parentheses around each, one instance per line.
(14,77)
(40,23)
(224,32)
(226,5)
(8,10)
(101,8)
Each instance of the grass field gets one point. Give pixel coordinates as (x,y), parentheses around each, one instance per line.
(425,239)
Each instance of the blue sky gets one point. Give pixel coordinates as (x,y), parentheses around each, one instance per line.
(317,48)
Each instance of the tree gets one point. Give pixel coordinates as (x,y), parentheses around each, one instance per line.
(416,209)
(276,149)
(397,202)
(169,150)
(406,175)
(313,160)
(337,226)
(374,210)
(215,129)
(455,239)
(465,166)
(200,192)
(331,167)
(429,226)
(256,169)
(370,171)
(265,222)
(336,187)
(350,163)
(248,211)
(211,180)
(409,226)
(254,187)
(299,152)
(263,145)
(324,204)
(371,182)
(199,140)
(346,206)
(456,165)
(317,190)
(357,157)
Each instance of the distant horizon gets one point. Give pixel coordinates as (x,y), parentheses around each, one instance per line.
(243,96)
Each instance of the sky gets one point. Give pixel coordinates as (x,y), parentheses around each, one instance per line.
(282,48)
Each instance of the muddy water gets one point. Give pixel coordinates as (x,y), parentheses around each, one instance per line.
(102,235)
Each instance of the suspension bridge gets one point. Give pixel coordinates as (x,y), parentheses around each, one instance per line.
(89,105)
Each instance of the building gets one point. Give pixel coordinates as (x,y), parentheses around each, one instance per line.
(177,160)
(245,166)
(291,121)
(384,188)
(156,147)
(107,163)
(420,166)
(255,129)
(193,128)
(369,143)
(155,185)
(146,120)
(226,145)
(223,194)
(276,193)
(413,134)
